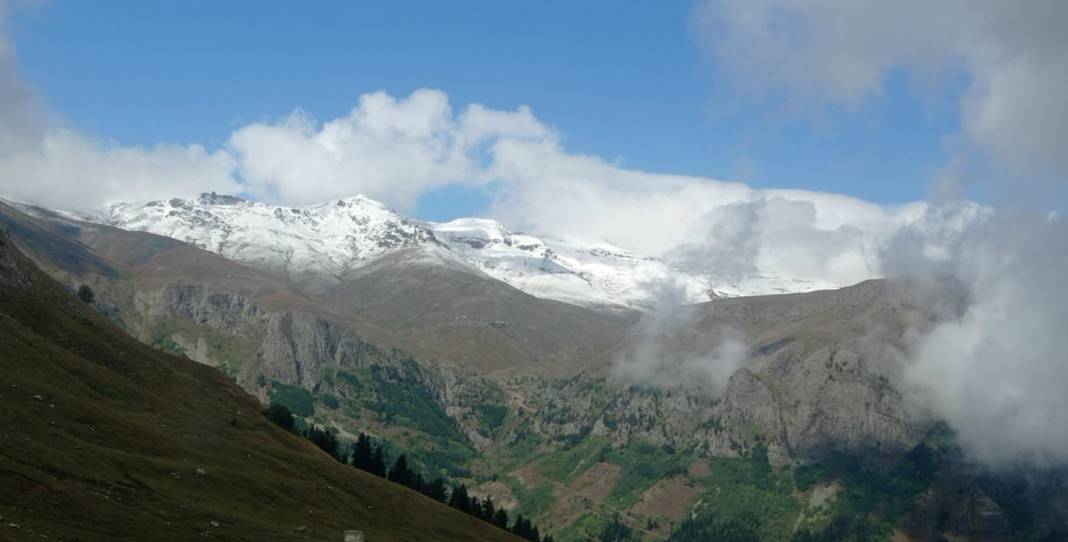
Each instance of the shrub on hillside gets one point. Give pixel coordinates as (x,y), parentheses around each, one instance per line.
(280,416)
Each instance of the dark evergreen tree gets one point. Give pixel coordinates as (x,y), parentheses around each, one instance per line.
(500,518)
(459,499)
(616,531)
(415,481)
(361,453)
(325,440)
(280,416)
(436,490)
(400,473)
(488,510)
(85,293)
(523,528)
(378,462)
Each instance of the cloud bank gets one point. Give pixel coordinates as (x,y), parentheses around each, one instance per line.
(997,372)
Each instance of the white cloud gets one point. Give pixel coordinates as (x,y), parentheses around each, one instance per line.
(996,372)
(44,162)
(668,352)
(725,229)
(843,52)
(389,149)
(68,170)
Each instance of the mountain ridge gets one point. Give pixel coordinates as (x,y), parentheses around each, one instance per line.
(318,244)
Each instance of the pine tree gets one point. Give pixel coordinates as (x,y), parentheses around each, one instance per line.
(459,499)
(521,527)
(378,462)
(325,440)
(500,518)
(361,453)
(475,507)
(400,473)
(488,510)
(415,481)
(281,416)
(436,490)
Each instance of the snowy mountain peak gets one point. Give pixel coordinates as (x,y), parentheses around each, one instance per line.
(316,241)
(317,245)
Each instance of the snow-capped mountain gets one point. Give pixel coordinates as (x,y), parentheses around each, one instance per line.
(319,244)
(573,272)
(318,240)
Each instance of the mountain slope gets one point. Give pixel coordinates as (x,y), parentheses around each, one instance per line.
(435,300)
(104,438)
(153,278)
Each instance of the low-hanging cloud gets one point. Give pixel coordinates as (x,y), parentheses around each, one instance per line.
(996,373)
(668,351)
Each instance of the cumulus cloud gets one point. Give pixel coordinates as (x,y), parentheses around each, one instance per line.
(69,170)
(843,52)
(43,161)
(389,149)
(996,373)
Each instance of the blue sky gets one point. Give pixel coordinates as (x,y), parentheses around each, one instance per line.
(626,81)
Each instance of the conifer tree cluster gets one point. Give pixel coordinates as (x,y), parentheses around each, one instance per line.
(371,457)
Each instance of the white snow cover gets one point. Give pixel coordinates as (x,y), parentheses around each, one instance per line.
(330,239)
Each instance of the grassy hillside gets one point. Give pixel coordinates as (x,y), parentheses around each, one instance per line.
(103,438)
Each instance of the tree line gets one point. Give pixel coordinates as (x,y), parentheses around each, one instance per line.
(370,457)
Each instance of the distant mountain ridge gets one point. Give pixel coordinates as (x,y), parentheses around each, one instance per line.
(317,245)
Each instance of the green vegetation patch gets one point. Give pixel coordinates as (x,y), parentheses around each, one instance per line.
(535,500)
(871,500)
(161,339)
(523,445)
(350,379)
(643,464)
(565,465)
(403,401)
(298,400)
(745,496)
(586,527)
(491,416)
(329,401)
